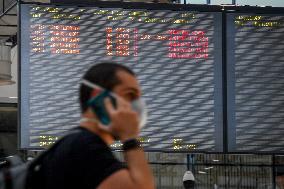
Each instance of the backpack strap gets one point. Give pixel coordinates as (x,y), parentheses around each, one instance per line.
(34,164)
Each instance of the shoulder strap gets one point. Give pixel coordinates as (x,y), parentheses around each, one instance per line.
(34,163)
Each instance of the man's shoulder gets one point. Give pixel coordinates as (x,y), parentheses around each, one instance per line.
(81,134)
(80,156)
(80,141)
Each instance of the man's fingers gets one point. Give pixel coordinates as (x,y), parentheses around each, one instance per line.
(105,128)
(109,106)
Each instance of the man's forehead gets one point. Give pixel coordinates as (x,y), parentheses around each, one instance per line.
(126,77)
(128,80)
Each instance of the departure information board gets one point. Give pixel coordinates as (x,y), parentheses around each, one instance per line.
(255,62)
(177,56)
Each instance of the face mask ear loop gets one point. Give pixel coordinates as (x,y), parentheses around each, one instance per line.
(94,86)
(91,85)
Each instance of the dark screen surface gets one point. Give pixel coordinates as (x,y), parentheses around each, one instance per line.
(177,56)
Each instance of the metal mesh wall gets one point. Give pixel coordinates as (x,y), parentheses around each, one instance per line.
(215,170)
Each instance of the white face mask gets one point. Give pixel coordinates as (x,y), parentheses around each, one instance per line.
(137,105)
(140,107)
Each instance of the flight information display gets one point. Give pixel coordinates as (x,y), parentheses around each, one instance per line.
(255,52)
(177,56)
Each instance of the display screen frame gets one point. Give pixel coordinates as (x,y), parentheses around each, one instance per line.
(175,7)
(133,6)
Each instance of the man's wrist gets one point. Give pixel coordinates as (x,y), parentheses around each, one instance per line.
(125,138)
(130,144)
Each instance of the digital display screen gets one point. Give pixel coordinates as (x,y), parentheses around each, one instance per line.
(177,56)
(255,82)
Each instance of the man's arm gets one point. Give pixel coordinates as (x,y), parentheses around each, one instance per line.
(125,125)
(137,176)
(139,169)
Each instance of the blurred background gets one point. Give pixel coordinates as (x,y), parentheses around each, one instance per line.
(211,170)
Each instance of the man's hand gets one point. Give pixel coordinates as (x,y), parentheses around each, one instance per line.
(124,121)
(125,125)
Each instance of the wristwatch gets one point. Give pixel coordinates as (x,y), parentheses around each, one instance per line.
(131,144)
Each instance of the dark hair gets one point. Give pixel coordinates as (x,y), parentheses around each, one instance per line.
(103,74)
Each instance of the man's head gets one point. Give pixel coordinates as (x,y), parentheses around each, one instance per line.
(111,76)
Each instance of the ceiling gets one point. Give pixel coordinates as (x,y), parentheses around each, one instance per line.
(9,19)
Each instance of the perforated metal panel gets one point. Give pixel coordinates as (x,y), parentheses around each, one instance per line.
(256,82)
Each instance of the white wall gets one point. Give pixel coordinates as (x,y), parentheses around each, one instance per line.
(7,91)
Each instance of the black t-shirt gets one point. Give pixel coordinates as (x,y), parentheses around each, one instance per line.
(82,161)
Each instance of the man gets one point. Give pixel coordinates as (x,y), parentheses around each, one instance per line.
(83,159)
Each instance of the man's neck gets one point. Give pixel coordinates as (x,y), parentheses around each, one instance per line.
(92,126)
